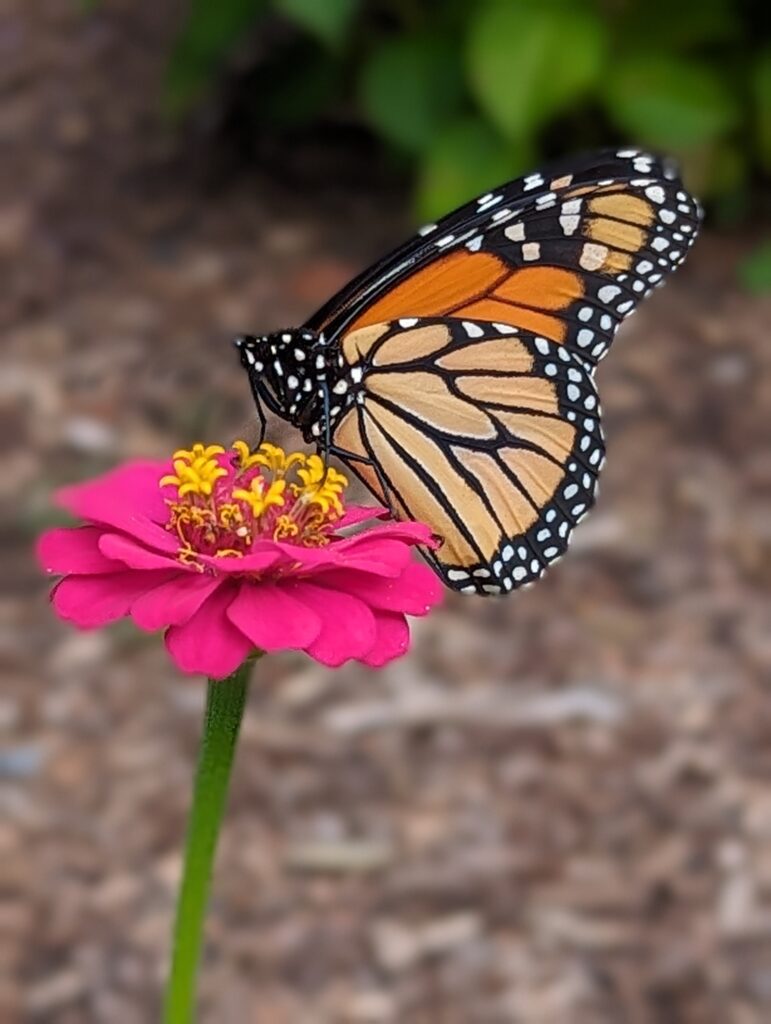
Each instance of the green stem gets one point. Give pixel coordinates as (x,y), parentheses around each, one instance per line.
(225,701)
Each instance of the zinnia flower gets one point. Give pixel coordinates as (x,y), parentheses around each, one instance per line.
(232,552)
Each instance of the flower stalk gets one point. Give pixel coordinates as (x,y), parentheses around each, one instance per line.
(225,702)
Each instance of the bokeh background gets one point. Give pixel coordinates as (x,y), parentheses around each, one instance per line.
(557,809)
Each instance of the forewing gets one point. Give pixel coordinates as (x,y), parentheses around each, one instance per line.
(565,253)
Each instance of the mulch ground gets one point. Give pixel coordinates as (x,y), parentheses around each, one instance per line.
(555,810)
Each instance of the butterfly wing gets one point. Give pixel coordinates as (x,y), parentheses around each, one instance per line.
(565,253)
(488,434)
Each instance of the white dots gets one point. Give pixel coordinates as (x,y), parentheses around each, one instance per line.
(571,415)
(457,574)
(535,565)
(599,349)
(624,307)
(551,552)
(320,362)
(627,153)
(408,321)
(542,345)
(531,251)
(482,573)
(587,481)
(468,590)
(595,457)
(590,401)
(606,322)
(278,368)
(497,567)
(585,337)
(515,232)
(427,229)
(502,214)
(660,243)
(550,370)
(473,330)
(522,552)
(592,256)
(249,356)
(508,553)
(675,255)
(574,393)
(644,266)
(519,572)
(588,423)
(642,164)
(341,387)
(667,216)
(574,374)
(638,286)
(508,583)
(656,193)
(551,515)
(315,429)
(474,244)
(570,491)
(572,206)
(532,181)
(505,328)
(483,200)
(564,527)
(444,241)
(292,382)
(488,201)
(563,354)
(357,372)
(578,510)
(334,411)
(608,292)
(585,442)
(585,313)
(299,354)
(286,337)
(546,201)
(569,223)
(307,384)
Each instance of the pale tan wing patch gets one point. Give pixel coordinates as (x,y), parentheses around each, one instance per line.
(427,396)
(407,346)
(507,355)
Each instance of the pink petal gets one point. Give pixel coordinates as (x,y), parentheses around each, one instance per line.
(347,625)
(264,556)
(272,618)
(137,556)
(414,592)
(128,498)
(208,643)
(74,549)
(409,532)
(392,640)
(173,602)
(356,514)
(92,601)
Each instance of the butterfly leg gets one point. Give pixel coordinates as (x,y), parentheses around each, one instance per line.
(346,456)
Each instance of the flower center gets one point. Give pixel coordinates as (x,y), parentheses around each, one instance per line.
(225,501)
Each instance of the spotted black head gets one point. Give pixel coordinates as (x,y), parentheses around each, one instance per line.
(287,371)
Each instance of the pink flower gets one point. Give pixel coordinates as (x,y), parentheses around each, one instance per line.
(238,551)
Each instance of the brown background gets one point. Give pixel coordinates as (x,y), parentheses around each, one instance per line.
(556,809)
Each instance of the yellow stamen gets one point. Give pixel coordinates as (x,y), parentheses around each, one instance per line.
(258,498)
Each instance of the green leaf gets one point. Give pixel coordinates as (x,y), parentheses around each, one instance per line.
(328,20)
(669,102)
(410,88)
(467,159)
(212,29)
(761,87)
(529,60)
(755,269)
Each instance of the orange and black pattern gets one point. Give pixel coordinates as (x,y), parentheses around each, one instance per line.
(456,376)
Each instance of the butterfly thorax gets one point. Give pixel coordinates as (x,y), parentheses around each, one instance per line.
(299,376)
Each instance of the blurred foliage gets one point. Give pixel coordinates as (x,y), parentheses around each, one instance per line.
(472,93)
(755,269)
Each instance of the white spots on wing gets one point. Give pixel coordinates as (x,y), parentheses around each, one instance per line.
(624,307)
(644,267)
(488,201)
(592,256)
(585,313)
(474,244)
(504,214)
(569,223)
(515,232)
(543,346)
(505,328)
(341,387)
(660,243)
(584,337)
(606,322)
(292,382)
(550,369)
(546,201)
(427,229)
(608,292)
(408,321)
(357,372)
(573,392)
(444,241)
(532,181)
(531,251)
(473,330)
(655,193)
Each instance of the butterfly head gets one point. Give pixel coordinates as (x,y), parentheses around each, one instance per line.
(282,369)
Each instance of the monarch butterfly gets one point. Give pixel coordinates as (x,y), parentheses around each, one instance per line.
(456,376)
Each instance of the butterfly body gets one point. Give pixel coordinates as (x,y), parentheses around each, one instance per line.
(456,376)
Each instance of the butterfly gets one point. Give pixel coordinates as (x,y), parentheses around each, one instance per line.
(456,376)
